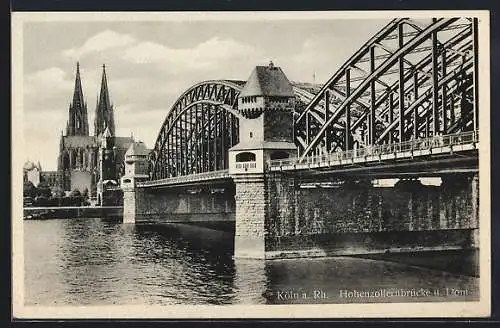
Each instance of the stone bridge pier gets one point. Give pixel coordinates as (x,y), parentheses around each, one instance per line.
(278,217)
(209,206)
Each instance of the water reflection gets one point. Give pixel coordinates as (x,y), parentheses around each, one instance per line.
(92,261)
(329,280)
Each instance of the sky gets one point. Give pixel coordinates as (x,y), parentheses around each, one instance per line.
(149,64)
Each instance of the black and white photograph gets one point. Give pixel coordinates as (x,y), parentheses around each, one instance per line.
(251,164)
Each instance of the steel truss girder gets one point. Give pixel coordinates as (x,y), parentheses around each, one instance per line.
(420,82)
(360,111)
(175,127)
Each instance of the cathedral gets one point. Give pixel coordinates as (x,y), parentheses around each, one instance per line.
(91,163)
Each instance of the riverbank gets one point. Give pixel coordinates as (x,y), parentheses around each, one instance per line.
(66,212)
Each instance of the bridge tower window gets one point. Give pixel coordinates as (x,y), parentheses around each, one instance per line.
(245,157)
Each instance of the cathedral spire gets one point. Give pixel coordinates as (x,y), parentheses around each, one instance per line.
(104,116)
(78,122)
(78,92)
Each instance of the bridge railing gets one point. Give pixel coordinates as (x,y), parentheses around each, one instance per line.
(186,179)
(411,146)
(246,165)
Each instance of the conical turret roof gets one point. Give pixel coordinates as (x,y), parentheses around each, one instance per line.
(267,81)
(137,149)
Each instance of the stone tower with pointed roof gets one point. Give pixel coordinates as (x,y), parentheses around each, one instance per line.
(136,170)
(267,103)
(104,115)
(77,124)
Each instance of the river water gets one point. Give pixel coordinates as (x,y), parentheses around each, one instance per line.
(92,261)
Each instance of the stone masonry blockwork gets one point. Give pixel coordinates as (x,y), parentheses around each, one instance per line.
(251,209)
(404,214)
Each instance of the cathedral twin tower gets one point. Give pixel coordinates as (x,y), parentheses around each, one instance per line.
(88,162)
(104,116)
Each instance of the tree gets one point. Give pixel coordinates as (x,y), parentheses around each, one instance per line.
(29,190)
(43,190)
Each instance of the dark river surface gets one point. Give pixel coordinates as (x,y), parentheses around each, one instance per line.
(91,261)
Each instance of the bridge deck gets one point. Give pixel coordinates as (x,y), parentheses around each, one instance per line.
(415,149)
(192,178)
(447,144)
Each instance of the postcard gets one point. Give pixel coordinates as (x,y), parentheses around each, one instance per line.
(251,164)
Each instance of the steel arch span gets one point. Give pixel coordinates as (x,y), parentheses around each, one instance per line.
(411,80)
(201,126)
(198,131)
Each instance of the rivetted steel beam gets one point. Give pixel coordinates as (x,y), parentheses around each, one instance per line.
(357,56)
(358,101)
(379,57)
(451,27)
(444,97)
(435,77)
(449,43)
(223,138)
(384,66)
(391,113)
(347,142)
(371,121)
(371,58)
(166,170)
(415,96)
(216,130)
(307,128)
(475,80)
(176,132)
(401,84)
(210,126)
(327,113)
(425,96)
(423,62)
(203,139)
(191,152)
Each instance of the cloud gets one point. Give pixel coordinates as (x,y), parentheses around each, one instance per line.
(206,55)
(102,41)
(47,90)
(46,82)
